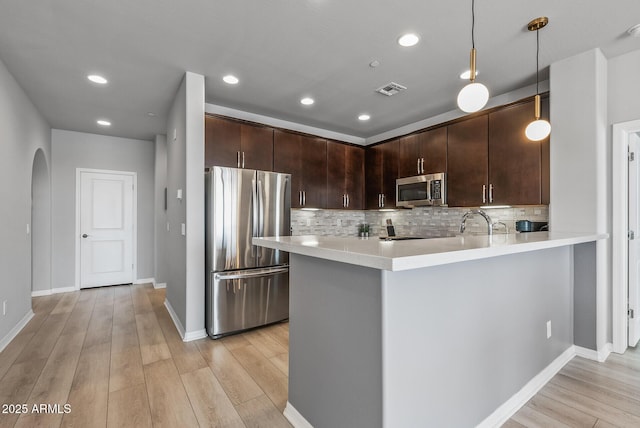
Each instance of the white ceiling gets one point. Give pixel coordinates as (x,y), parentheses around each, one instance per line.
(284,49)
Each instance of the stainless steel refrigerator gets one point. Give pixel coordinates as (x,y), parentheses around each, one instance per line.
(247,285)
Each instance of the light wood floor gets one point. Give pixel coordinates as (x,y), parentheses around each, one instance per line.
(115,357)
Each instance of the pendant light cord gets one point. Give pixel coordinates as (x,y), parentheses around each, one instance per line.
(473,23)
(537,60)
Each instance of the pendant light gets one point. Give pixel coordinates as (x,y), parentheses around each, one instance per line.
(474,95)
(539,129)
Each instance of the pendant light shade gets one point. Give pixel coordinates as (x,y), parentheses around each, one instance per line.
(539,129)
(474,96)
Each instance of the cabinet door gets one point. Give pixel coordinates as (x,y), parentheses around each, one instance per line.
(345,176)
(354,177)
(257,147)
(467,162)
(314,171)
(373,176)
(305,158)
(514,161)
(389,173)
(222,142)
(409,155)
(287,158)
(433,149)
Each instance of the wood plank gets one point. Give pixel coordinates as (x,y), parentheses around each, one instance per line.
(261,413)
(54,383)
(531,418)
(153,346)
(90,389)
(126,369)
(603,370)
(590,406)
(280,333)
(234,341)
(237,383)
(66,303)
(186,355)
(602,395)
(44,340)
(281,361)
(9,355)
(210,403)
(604,424)
(265,343)
(80,317)
(140,299)
(101,324)
(560,412)
(16,386)
(272,381)
(129,408)
(602,381)
(512,424)
(170,406)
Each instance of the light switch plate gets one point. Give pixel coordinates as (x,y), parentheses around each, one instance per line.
(179,194)
(175,134)
(28,229)
(184,229)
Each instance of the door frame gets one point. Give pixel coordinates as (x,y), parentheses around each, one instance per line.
(134,231)
(620,223)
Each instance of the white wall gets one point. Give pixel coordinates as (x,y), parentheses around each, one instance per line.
(624,88)
(185,169)
(23,131)
(160,184)
(71,150)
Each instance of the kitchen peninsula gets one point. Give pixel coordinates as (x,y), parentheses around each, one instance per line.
(434,332)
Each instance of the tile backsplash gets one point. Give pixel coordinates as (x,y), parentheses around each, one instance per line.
(424,221)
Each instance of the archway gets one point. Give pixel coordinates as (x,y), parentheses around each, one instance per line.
(40,226)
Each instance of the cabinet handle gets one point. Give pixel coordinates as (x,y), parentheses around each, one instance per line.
(243,159)
(490,193)
(382,195)
(344,200)
(300,197)
(238,159)
(347,200)
(304,198)
(418,166)
(484,193)
(422,165)
(379,200)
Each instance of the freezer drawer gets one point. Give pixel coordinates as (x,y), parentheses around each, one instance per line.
(240,300)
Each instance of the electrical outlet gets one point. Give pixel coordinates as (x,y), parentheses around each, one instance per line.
(548,329)
(4,308)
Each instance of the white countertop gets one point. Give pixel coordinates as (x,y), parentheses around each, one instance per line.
(412,254)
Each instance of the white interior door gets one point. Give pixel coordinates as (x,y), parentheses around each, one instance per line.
(106,228)
(634,249)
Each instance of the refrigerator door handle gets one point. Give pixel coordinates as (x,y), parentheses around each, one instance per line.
(221,276)
(254,215)
(260,223)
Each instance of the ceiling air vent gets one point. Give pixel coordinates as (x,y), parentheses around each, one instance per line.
(391,89)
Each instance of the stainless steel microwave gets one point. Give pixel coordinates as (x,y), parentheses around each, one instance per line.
(421,190)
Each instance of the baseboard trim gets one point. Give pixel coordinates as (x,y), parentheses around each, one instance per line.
(295,418)
(503,413)
(49,292)
(15,330)
(145,281)
(194,335)
(174,317)
(159,285)
(599,356)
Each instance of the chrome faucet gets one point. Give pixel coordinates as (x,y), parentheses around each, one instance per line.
(463,223)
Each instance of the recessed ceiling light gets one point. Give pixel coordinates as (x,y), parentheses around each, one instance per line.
(230,79)
(465,75)
(364,117)
(103,122)
(634,31)
(409,39)
(95,78)
(307,101)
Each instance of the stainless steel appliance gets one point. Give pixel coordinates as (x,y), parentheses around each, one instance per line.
(421,190)
(247,286)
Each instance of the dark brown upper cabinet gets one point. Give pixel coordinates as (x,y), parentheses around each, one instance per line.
(468,162)
(423,153)
(345,176)
(237,144)
(517,165)
(381,171)
(305,158)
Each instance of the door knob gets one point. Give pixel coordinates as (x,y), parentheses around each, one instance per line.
(84,235)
